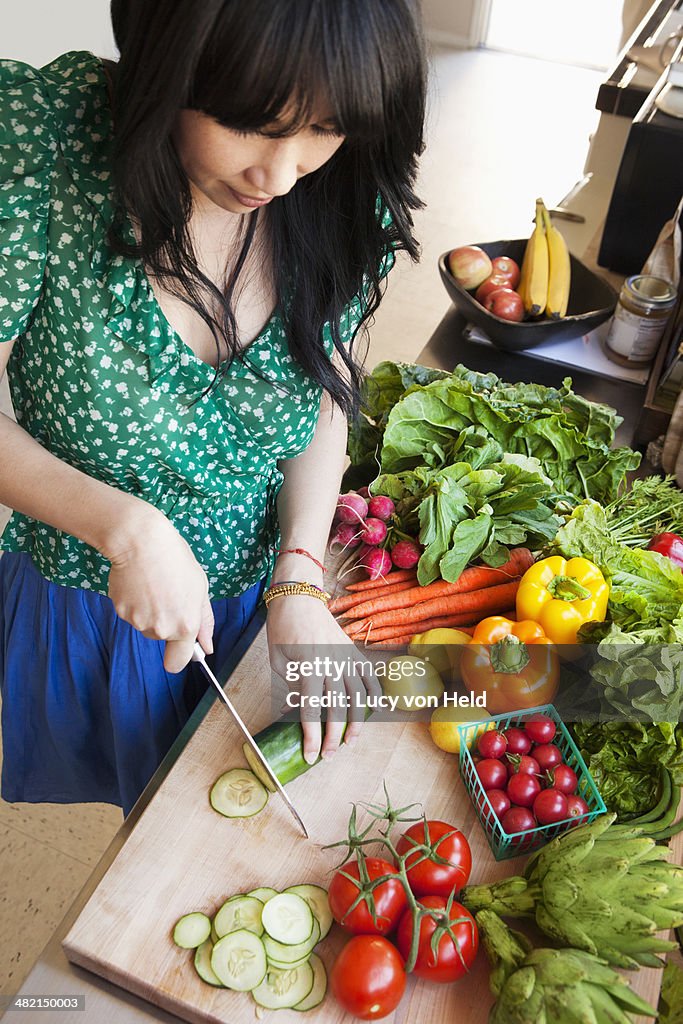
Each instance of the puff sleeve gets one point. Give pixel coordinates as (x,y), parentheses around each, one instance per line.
(28,148)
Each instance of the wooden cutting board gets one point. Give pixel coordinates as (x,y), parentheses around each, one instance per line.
(183,856)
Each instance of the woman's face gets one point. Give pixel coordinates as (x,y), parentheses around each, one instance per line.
(241,172)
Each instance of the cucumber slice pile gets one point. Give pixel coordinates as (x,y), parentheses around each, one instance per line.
(238,794)
(263,942)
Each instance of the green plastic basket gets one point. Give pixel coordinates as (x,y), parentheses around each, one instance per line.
(503,844)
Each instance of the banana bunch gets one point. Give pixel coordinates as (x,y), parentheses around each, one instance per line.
(546,275)
(600,889)
(552,986)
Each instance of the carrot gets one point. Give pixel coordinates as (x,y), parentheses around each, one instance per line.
(342,604)
(442,622)
(475,578)
(395,576)
(486,600)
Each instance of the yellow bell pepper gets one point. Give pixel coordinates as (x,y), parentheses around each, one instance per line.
(561,595)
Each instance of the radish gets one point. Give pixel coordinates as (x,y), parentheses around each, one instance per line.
(351,508)
(343,536)
(376,562)
(364,493)
(405,554)
(373,531)
(381,507)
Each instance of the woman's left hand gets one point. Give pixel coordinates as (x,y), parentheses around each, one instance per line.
(300,628)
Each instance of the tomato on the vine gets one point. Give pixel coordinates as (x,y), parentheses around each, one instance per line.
(427,877)
(389,897)
(451,961)
(368,977)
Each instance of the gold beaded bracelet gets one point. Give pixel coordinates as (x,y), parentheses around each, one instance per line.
(292,588)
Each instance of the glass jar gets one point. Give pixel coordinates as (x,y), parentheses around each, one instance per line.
(644,306)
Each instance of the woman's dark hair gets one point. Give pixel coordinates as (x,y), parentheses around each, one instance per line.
(249,64)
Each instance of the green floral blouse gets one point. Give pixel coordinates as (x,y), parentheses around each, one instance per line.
(99,377)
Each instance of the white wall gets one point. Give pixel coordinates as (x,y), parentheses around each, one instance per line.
(37,31)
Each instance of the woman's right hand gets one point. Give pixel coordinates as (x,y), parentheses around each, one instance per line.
(157,585)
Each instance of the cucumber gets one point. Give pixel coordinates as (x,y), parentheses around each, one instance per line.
(202,963)
(239,960)
(239,912)
(282,953)
(316,897)
(288,919)
(284,966)
(282,989)
(282,745)
(264,893)
(191,930)
(317,993)
(238,794)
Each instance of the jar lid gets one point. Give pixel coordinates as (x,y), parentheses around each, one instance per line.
(653,289)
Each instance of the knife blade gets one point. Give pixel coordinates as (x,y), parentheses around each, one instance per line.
(200,657)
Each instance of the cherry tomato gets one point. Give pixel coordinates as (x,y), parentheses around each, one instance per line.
(500,801)
(576,806)
(564,778)
(523,764)
(523,789)
(541,728)
(519,742)
(368,977)
(518,819)
(390,899)
(492,744)
(548,756)
(451,961)
(550,806)
(427,877)
(492,773)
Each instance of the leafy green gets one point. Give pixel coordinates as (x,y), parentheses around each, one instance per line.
(652,505)
(671,997)
(624,759)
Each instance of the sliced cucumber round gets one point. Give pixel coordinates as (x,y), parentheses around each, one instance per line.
(283,966)
(282,989)
(287,918)
(202,963)
(239,960)
(239,912)
(317,993)
(263,893)
(316,897)
(288,954)
(191,930)
(238,794)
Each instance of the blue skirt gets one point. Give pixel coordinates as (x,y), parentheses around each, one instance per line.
(88,710)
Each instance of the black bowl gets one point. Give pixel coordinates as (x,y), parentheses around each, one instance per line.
(591,302)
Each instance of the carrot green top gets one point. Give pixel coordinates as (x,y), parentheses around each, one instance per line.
(100,378)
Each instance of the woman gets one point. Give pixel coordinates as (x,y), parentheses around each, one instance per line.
(190,242)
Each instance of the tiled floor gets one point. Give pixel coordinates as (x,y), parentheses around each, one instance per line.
(502,131)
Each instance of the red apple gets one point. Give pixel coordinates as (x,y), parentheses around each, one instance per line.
(490,285)
(469,265)
(505,303)
(505,267)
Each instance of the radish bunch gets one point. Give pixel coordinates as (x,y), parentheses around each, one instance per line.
(364,522)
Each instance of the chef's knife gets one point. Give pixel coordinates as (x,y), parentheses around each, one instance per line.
(200,657)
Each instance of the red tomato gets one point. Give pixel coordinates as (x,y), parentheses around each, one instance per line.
(451,961)
(500,801)
(541,728)
(390,899)
(523,764)
(492,744)
(563,778)
(548,756)
(368,977)
(492,773)
(505,303)
(576,806)
(518,819)
(505,267)
(427,877)
(523,789)
(519,742)
(550,806)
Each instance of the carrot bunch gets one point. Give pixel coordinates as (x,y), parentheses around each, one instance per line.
(394,609)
